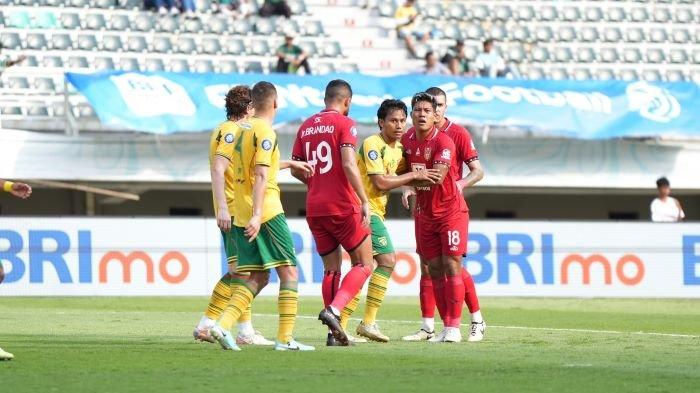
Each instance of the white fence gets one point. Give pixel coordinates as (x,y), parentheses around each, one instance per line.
(130,257)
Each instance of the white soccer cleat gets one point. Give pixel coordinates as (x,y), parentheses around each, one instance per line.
(372,332)
(203,335)
(253,339)
(293,345)
(477,330)
(452,335)
(6,355)
(356,340)
(440,337)
(420,335)
(224,338)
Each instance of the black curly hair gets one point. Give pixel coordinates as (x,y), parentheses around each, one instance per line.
(237,101)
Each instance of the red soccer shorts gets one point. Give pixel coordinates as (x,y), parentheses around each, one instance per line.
(330,231)
(442,237)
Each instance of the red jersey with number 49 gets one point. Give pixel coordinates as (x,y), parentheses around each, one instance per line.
(436,201)
(318,142)
(466,151)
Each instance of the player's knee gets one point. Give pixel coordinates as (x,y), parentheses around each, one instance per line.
(261,279)
(287,274)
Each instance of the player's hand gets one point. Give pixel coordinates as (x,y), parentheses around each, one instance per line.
(365,214)
(21,190)
(223,220)
(302,167)
(460,185)
(431,175)
(406,193)
(253,228)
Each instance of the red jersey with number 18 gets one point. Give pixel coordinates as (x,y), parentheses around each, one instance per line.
(318,142)
(437,201)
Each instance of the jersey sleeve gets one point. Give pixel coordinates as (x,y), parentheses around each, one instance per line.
(444,152)
(348,135)
(465,147)
(372,156)
(265,145)
(224,147)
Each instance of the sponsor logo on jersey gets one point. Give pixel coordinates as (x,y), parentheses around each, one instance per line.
(317,119)
(373,155)
(353,131)
(228,138)
(453,248)
(446,154)
(427,152)
(266,144)
(382,241)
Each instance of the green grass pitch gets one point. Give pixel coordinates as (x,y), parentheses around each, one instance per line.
(532,345)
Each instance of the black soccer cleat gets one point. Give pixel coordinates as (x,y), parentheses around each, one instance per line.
(331,320)
(330,341)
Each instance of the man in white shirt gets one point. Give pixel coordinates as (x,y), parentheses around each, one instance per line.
(665,208)
(489,63)
(433,66)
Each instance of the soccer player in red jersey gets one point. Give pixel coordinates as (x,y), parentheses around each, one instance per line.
(337,208)
(467,155)
(441,213)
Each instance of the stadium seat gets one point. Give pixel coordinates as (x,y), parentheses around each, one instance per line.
(657,35)
(216,25)
(37,110)
(655,55)
(632,55)
(432,11)
(265,26)
(45,20)
(203,66)
(20,20)
(87,42)
(544,34)
(30,61)
(695,76)
(137,43)
(95,22)
(515,54)
(612,34)
(332,49)
(36,41)
(474,32)
(54,3)
(520,33)
(70,21)
(128,64)
(133,4)
(675,76)
(104,63)
(535,73)
(309,47)
(162,44)
(78,3)
(498,32)
(570,14)
(243,27)
(562,55)
(651,75)
(228,67)
(211,46)
(681,36)
(478,12)
(58,109)
(696,56)
(588,34)
(548,13)
(457,11)
(608,55)
(451,31)
(683,15)
(103,3)
(324,68)
(154,65)
(286,26)
(662,15)
(260,47)
(638,14)
(61,42)
(604,74)
(502,13)
(540,54)
(525,13)
(585,55)
(11,110)
(558,74)
(10,41)
(566,34)
(298,7)
(17,82)
(78,62)
(143,22)
(677,56)
(616,14)
(186,45)
(386,9)
(167,24)
(594,14)
(634,34)
(313,28)
(119,22)
(52,62)
(348,68)
(193,26)
(85,110)
(234,46)
(112,43)
(178,65)
(628,75)
(253,66)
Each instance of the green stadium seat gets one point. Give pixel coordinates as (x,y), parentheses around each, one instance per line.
(20,20)
(45,20)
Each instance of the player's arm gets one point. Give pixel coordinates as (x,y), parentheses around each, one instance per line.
(476,173)
(464,144)
(298,155)
(681,213)
(387,182)
(259,185)
(302,167)
(218,185)
(20,190)
(353,175)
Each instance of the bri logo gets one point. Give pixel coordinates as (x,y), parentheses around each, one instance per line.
(653,102)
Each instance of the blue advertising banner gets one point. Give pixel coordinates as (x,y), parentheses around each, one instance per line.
(164,103)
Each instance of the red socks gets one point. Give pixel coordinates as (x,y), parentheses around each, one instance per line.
(439,289)
(470,297)
(427,297)
(454,296)
(351,285)
(329,286)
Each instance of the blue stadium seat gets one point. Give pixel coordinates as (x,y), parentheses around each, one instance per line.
(228,67)
(137,43)
(211,46)
(36,41)
(203,66)
(70,21)
(566,34)
(87,42)
(112,43)
(95,22)
(253,66)
(144,22)
(61,42)
(178,65)
(104,64)
(128,64)
(10,41)
(525,13)
(154,65)
(119,22)
(632,55)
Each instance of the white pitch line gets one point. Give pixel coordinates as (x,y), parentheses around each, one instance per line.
(676,335)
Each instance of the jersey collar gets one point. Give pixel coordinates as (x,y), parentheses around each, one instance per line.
(432,135)
(448,124)
(330,111)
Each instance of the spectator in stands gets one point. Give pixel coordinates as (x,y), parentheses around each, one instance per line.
(665,208)
(456,59)
(433,66)
(276,7)
(6,62)
(406,17)
(165,6)
(238,8)
(291,57)
(489,63)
